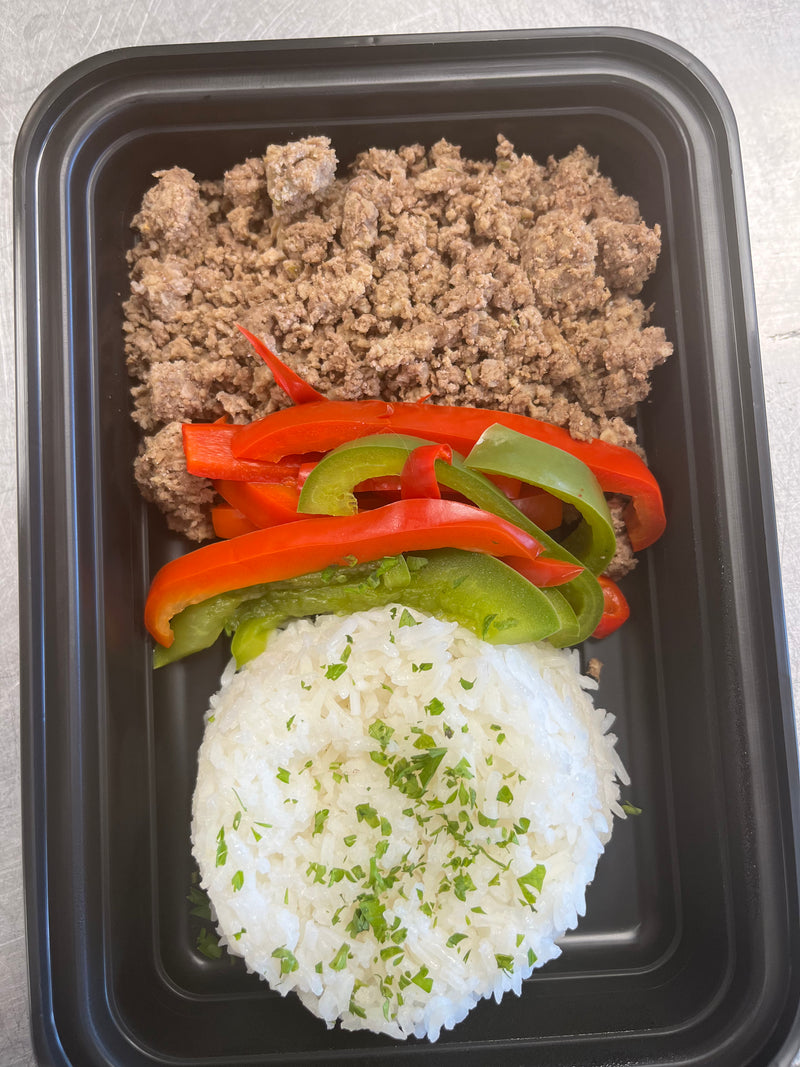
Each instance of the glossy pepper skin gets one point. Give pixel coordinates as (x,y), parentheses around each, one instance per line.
(328,489)
(327,424)
(615,608)
(476,591)
(503,451)
(282,552)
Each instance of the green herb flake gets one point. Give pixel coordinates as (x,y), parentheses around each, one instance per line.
(505,963)
(386,827)
(339,961)
(222,848)
(465,684)
(319,820)
(345,656)
(237,881)
(407,619)
(500,739)
(380,732)
(520,939)
(288,962)
(434,707)
(425,741)
(487,622)
(454,939)
(318,967)
(289,722)
(388,688)
(335,670)
(208,944)
(237,820)
(534,879)
(304,685)
(238,936)
(350,840)
(531,957)
(422,980)
(504,795)
(462,884)
(631,809)
(366,813)
(283,775)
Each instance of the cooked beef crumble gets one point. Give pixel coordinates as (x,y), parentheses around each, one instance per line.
(505,284)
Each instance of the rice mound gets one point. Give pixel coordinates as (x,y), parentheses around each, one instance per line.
(394,819)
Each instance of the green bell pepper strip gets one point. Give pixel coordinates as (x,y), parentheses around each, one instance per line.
(503,451)
(328,490)
(478,591)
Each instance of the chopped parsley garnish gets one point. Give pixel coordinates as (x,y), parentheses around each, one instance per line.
(335,670)
(465,684)
(303,685)
(208,944)
(222,848)
(504,795)
(407,619)
(380,732)
(289,722)
(339,961)
(435,707)
(319,820)
(505,963)
(534,879)
(350,840)
(631,809)
(237,881)
(454,939)
(366,813)
(236,820)
(288,961)
(283,775)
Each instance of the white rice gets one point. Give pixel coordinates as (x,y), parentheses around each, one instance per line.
(288,740)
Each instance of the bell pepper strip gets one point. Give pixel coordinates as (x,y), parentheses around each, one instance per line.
(503,451)
(569,629)
(263,504)
(477,591)
(228,522)
(282,552)
(615,608)
(324,426)
(418,476)
(328,490)
(298,390)
(541,508)
(207,447)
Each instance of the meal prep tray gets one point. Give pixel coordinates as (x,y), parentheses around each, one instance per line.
(690,950)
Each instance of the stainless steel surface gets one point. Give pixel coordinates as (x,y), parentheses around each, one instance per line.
(751,46)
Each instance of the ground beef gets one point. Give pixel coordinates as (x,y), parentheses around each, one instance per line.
(506,284)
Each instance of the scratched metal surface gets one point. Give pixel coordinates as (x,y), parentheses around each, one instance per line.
(752,47)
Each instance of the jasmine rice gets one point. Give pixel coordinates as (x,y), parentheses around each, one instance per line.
(394,819)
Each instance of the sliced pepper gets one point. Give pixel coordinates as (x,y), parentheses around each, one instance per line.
(503,451)
(327,424)
(298,390)
(615,608)
(418,477)
(207,447)
(228,522)
(328,490)
(477,591)
(260,502)
(282,552)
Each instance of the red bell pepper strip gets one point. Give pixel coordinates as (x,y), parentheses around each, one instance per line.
(323,426)
(418,477)
(540,573)
(298,391)
(228,522)
(615,608)
(281,552)
(263,504)
(540,507)
(207,447)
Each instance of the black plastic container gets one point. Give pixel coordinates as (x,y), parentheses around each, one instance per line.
(690,951)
